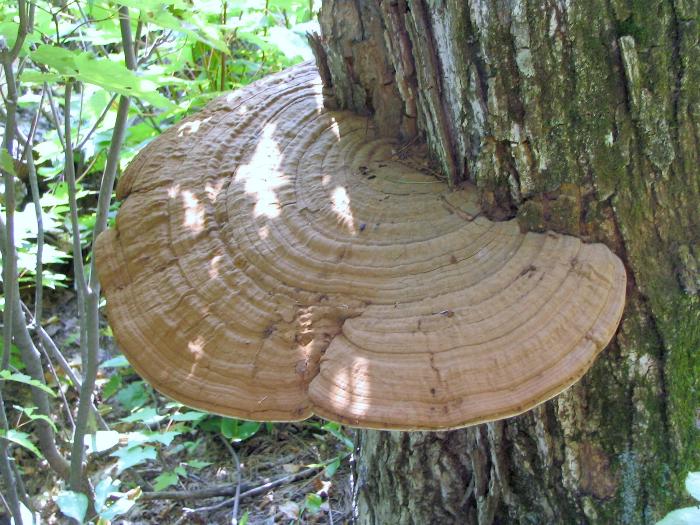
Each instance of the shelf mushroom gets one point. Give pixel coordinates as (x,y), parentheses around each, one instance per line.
(271,260)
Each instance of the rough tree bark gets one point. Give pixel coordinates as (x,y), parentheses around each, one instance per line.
(580,116)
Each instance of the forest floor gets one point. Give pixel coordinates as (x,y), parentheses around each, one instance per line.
(292,457)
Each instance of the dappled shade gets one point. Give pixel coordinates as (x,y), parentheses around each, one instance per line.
(272,260)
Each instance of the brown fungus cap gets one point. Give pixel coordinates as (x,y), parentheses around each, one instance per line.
(271,261)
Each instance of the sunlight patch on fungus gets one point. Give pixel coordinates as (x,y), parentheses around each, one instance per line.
(191,127)
(214,266)
(349,383)
(197,354)
(341,207)
(213,190)
(196,347)
(262,174)
(194,212)
(335,128)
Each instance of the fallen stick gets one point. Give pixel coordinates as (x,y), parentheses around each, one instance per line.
(226,490)
(257,490)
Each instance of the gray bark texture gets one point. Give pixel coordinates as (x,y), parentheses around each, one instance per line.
(579,116)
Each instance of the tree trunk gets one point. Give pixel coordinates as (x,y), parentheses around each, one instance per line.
(579,116)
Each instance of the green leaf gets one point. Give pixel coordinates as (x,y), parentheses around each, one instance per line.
(289,43)
(15,354)
(108,488)
(119,507)
(101,440)
(103,490)
(189,416)
(112,386)
(32,76)
(116,362)
(133,395)
(29,412)
(73,504)
(102,72)
(129,457)
(165,438)
(332,467)
(313,503)
(237,430)
(244,518)
(336,431)
(6,375)
(165,480)
(21,439)
(147,416)
(197,464)
(6,162)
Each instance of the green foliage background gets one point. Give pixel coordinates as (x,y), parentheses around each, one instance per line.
(66,61)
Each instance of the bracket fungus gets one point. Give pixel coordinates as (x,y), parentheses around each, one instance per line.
(271,261)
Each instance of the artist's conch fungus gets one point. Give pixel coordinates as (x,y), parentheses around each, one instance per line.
(272,261)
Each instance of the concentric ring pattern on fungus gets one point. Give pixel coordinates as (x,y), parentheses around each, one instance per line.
(272,260)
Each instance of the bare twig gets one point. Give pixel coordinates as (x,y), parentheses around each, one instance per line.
(9,257)
(29,139)
(97,123)
(306,473)
(54,116)
(80,282)
(234,513)
(5,467)
(227,491)
(92,289)
(210,492)
(36,199)
(32,361)
(47,342)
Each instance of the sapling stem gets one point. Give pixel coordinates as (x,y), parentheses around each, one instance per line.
(92,290)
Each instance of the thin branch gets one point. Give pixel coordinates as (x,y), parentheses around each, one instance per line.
(137,37)
(48,343)
(69,169)
(9,261)
(92,291)
(262,489)
(80,282)
(97,123)
(32,361)
(227,490)
(39,268)
(9,257)
(127,40)
(66,405)
(54,114)
(36,199)
(21,489)
(80,115)
(32,129)
(6,468)
(236,498)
